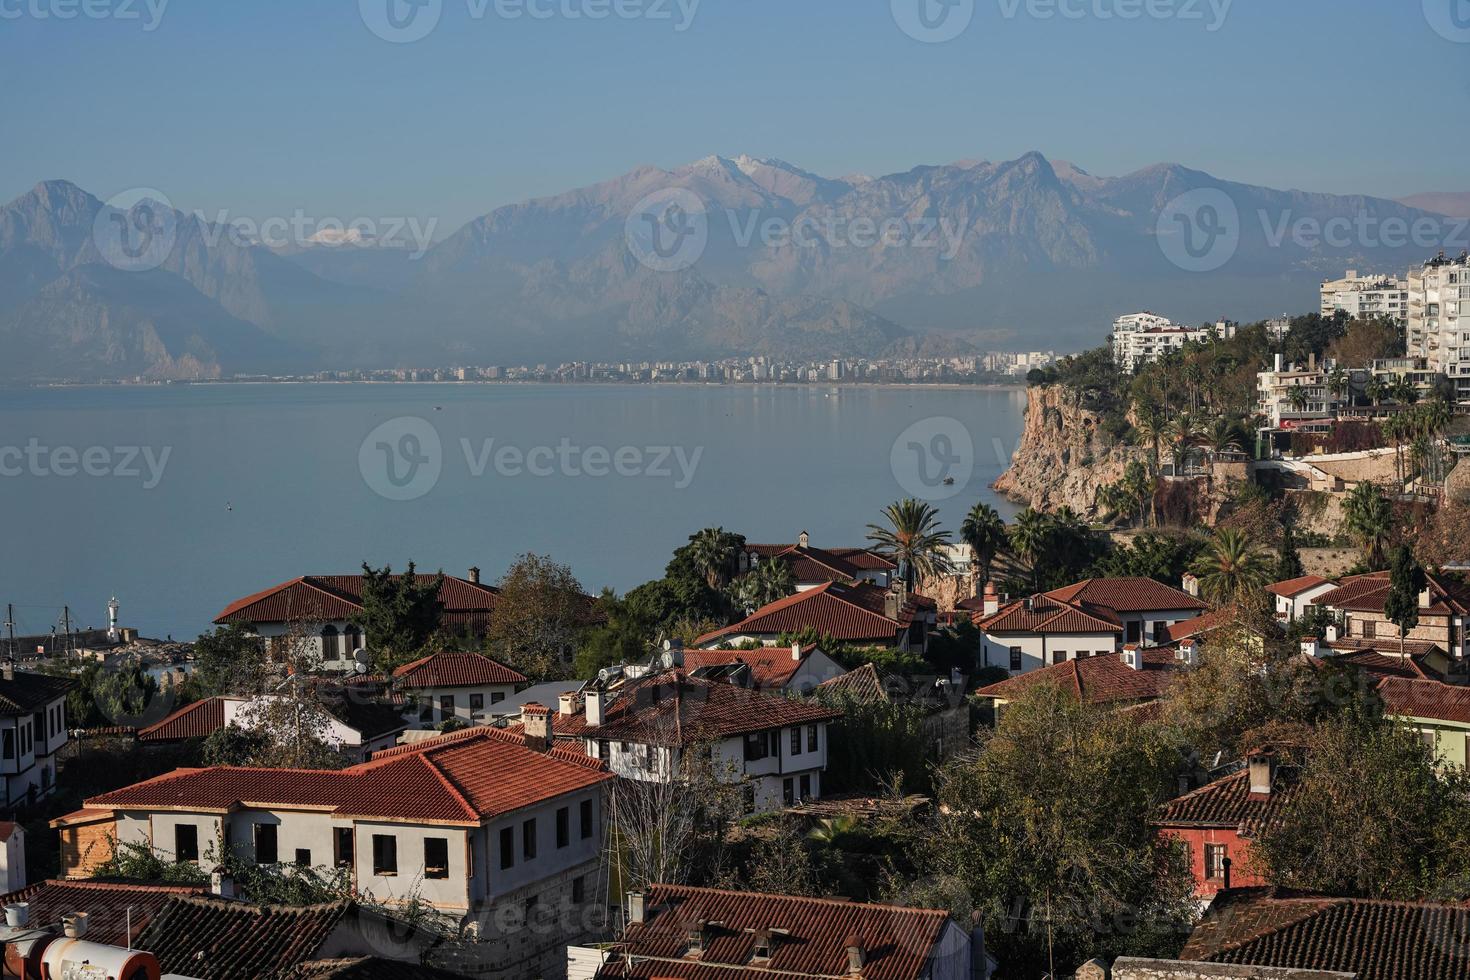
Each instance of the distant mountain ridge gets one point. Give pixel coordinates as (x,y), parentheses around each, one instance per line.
(1026,253)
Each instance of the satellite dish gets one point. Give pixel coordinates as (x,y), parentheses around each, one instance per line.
(360,662)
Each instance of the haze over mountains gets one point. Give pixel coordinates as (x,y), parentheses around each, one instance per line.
(1026,253)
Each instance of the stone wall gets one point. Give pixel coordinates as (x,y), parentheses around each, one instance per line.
(1132,968)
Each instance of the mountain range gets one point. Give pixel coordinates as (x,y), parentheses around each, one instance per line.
(1026,253)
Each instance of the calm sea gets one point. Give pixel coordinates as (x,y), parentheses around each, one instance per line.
(179,499)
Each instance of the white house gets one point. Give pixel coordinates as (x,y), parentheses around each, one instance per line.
(816,566)
(1294,597)
(32,731)
(356,727)
(1087,619)
(796,669)
(860,614)
(459,685)
(775,746)
(484,824)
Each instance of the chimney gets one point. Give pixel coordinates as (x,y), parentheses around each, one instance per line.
(1262,763)
(857,957)
(1424,598)
(698,936)
(803,539)
(1332,633)
(475,574)
(992,599)
(1189,652)
(796,652)
(539,728)
(221,884)
(8,670)
(566,703)
(74,925)
(1190,584)
(18,915)
(892,603)
(1132,658)
(593,703)
(1278,364)
(635,908)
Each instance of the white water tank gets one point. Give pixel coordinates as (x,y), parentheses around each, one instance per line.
(68,958)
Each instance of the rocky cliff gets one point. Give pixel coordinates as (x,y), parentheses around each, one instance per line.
(1063,456)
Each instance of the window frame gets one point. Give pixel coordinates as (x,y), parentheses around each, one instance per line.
(432,870)
(192,845)
(385,855)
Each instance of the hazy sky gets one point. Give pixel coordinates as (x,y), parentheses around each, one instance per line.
(269,107)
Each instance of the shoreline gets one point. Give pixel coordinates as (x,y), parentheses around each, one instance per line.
(855,385)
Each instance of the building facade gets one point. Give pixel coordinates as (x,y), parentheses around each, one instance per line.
(1366,296)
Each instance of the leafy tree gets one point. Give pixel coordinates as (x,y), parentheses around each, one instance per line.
(399,612)
(875,743)
(913,538)
(1289,564)
(1367,340)
(985,532)
(1046,834)
(714,553)
(1406,581)
(230,660)
(1030,540)
(539,617)
(1231,566)
(623,636)
(1368,519)
(1162,557)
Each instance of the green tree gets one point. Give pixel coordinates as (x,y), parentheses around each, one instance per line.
(1030,539)
(1162,557)
(399,612)
(1231,566)
(1368,519)
(539,618)
(985,532)
(622,637)
(1289,564)
(1406,581)
(230,660)
(913,538)
(714,553)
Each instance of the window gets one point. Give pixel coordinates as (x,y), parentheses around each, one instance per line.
(507,847)
(528,839)
(604,750)
(1214,862)
(796,741)
(755,746)
(303,857)
(586,819)
(7,749)
(265,843)
(563,826)
(806,787)
(496,697)
(1059,656)
(1015,658)
(385,854)
(186,842)
(579,890)
(477,702)
(342,847)
(811,738)
(436,857)
(788,791)
(446,705)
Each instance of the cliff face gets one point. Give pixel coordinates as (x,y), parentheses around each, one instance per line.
(1063,456)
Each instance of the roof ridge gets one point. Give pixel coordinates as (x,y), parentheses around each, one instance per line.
(803,899)
(1325,903)
(450,785)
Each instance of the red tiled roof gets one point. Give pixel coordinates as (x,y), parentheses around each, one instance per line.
(1296,586)
(1126,595)
(1199,625)
(1229,803)
(1425,699)
(673,708)
(863,684)
(899,942)
(866,559)
(339,597)
(366,968)
(106,903)
(1376,665)
(1372,939)
(463,778)
(845,612)
(770,667)
(1368,593)
(455,669)
(216,939)
(197,720)
(1095,680)
(1044,614)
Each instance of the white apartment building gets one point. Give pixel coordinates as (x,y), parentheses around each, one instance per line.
(1290,395)
(1366,296)
(1439,318)
(1142,338)
(32,732)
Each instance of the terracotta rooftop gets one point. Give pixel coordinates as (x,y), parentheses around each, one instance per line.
(1095,680)
(199,719)
(770,667)
(1373,939)
(673,708)
(1425,699)
(863,684)
(106,904)
(1229,803)
(339,597)
(1043,614)
(366,968)
(1367,593)
(455,669)
(1127,595)
(462,778)
(1378,665)
(1296,586)
(899,942)
(1188,629)
(855,613)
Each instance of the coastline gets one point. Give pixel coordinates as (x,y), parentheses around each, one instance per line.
(855,385)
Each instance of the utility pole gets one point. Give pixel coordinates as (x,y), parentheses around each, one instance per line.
(66,644)
(10,627)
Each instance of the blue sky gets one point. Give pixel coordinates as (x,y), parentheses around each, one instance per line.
(266,107)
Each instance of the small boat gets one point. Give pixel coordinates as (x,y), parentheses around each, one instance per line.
(949,481)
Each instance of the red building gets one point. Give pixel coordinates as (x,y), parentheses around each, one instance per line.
(1217,822)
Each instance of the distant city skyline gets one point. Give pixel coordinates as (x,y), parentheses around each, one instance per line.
(220,106)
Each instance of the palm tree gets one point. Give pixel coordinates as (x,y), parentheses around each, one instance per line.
(1030,539)
(985,532)
(1297,396)
(1184,435)
(1402,390)
(713,552)
(1368,517)
(773,580)
(1376,390)
(1231,567)
(1337,382)
(1396,428)
(913,539)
